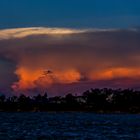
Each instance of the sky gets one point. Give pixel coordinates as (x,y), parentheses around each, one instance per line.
(70,13)
(68,46)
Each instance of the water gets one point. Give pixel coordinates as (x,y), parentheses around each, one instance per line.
(69,126)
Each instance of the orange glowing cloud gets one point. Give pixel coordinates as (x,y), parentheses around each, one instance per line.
(29,78)
(113,73)
(26,78)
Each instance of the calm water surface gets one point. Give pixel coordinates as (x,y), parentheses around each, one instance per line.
(69,126)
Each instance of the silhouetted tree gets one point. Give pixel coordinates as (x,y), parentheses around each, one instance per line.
(98,100)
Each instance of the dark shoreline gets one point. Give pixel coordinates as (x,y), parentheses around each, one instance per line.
(94,100)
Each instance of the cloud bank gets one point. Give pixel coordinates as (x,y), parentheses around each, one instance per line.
(33,59)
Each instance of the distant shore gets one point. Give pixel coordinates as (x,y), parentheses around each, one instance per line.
(93,100)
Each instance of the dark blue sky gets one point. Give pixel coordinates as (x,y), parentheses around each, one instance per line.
(70,13)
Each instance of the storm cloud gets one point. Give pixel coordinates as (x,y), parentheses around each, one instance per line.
(70,59)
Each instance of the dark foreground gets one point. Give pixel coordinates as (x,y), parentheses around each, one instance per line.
(93,100)
(68,126)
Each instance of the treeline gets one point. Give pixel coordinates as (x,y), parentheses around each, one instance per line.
(95,100)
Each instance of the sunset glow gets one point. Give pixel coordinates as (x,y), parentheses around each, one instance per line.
(41,59)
